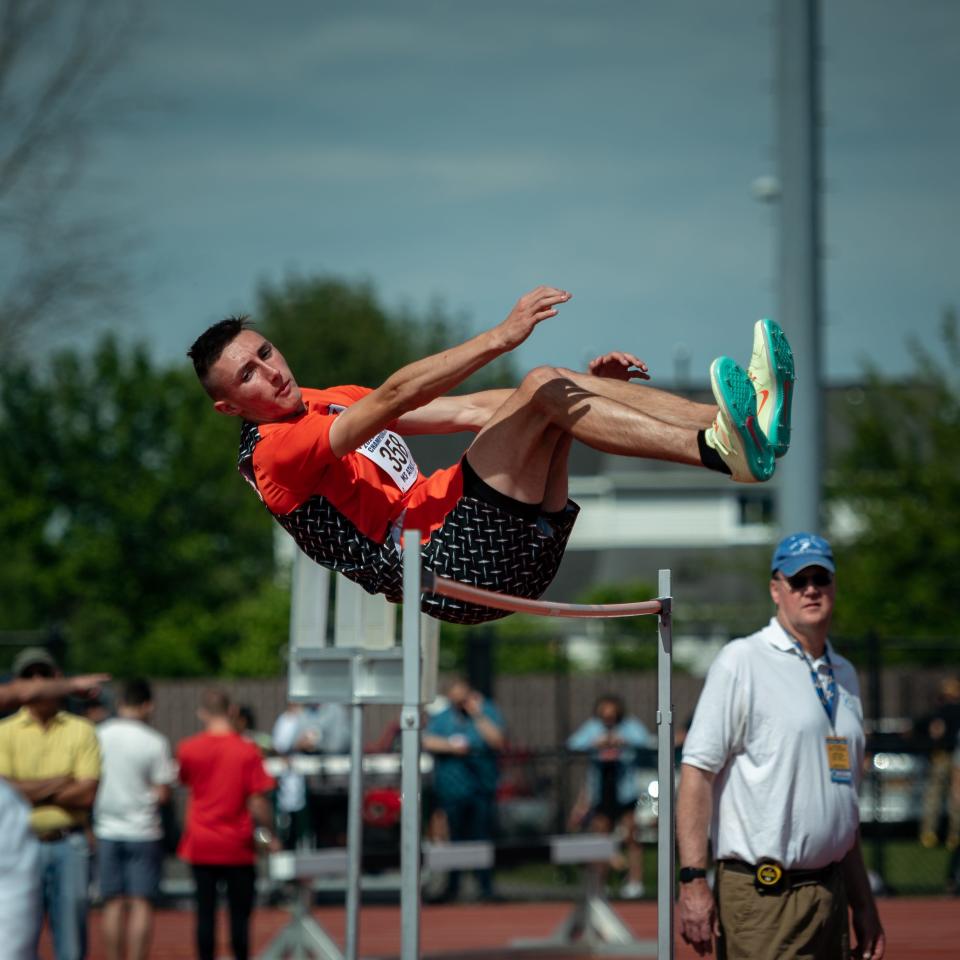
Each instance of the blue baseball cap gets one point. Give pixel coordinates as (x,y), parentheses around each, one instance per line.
(801,550)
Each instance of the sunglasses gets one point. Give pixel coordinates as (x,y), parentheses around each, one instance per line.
(40,670)
(800,581)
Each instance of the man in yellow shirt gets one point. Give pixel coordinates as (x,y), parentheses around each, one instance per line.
(53,759)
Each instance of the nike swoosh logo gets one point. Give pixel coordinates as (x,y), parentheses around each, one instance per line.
(753,433)
(764,396)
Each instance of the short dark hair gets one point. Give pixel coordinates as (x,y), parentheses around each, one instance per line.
(207,348)
(620,708)
(136,693)
(246,714)
(215,702)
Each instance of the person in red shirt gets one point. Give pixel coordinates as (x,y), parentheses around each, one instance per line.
(334,470)
(228,804)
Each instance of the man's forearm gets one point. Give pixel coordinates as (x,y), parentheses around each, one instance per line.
(16,693)
(410,388)
(467,413)
(491,733)
(417,383)
(261,810)
(694,812)
(77,795)
(855,877)
(423,380)
(41,791)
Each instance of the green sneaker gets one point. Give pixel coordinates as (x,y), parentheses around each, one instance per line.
(771,370)
(736,434)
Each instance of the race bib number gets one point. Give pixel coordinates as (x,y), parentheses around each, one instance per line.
(392,455)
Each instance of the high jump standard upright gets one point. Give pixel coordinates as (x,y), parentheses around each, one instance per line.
(414,582)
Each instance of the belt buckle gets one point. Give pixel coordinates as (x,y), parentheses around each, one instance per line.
(768,877)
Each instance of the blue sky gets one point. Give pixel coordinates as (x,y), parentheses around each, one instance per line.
(466,152)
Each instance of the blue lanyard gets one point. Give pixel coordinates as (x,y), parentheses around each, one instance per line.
(828,696)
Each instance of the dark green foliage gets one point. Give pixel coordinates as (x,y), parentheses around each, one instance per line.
(525,644)
(631,643)
(119,513)
(901,476)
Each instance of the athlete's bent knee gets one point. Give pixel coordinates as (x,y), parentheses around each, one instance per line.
(540,377)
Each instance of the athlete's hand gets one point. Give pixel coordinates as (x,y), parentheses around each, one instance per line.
(698,916)
(618,365)
(532,308)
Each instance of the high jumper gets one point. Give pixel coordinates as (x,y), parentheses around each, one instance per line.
(332,466)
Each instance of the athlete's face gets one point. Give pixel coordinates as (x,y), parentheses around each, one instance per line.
(252,380)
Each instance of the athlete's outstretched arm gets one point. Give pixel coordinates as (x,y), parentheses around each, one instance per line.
(424,380)
(468,412)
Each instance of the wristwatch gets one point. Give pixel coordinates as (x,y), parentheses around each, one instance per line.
(686,874)
(263,836)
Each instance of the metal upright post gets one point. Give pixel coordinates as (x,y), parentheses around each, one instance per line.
(799,259)
(354,832)
(665,767)
(410,752)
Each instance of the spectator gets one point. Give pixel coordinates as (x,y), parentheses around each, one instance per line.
(136,781)
(228,798)
(611,792)
(53,759)
(245,722)
(20,900)
(941,729)
(774,757)
(465,739)
(95,709)
(323,728)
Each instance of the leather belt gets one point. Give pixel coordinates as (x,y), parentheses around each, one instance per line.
(770,877)
(52,836)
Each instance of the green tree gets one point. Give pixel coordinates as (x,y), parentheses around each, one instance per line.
(900,474)
(118,515)
(334,332)
(630,643)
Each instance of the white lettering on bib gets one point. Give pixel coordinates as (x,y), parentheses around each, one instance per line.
(389,451)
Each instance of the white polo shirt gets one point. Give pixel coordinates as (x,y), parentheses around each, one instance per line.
(761,728)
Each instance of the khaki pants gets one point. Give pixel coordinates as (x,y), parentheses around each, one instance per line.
(807,922)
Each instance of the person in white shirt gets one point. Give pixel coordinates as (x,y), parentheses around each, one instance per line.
(323,728)
(771,767)
(137,775)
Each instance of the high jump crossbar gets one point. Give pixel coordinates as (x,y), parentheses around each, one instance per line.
(541,608)
(415,582)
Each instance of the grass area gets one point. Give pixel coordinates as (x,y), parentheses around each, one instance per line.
(907,869)
(565,881)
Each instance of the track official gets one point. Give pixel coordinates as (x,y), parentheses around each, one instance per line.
(771,768)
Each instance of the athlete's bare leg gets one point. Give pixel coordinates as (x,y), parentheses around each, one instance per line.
(557,489)
(514,451)
(658,403)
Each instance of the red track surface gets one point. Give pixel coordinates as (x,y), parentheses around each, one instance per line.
(926,929)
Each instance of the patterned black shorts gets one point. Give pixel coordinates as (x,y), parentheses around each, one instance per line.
(487,540)
(486,546)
